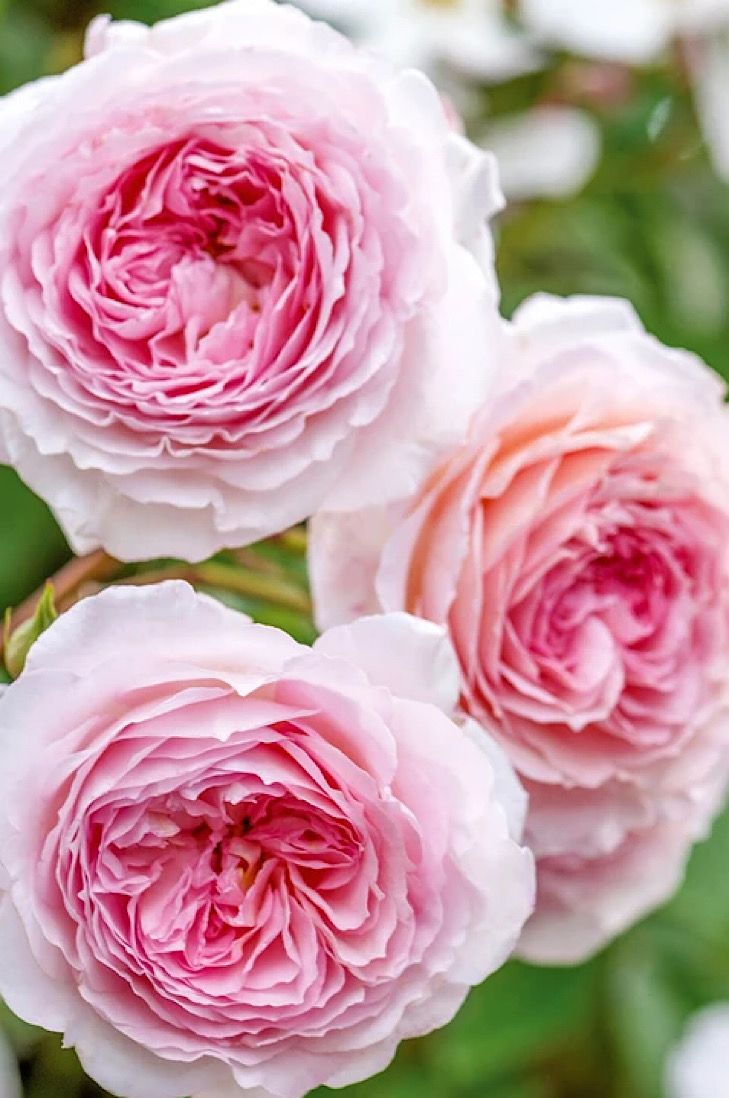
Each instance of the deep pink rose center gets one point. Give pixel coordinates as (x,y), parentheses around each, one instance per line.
(207,285)
(198,876)
(616,611)
(187,237)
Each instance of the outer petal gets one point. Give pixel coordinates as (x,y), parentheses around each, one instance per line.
(123,1067)
(483,792)
(546,323)
(463,329)
(232,1090)
(599,905)
(584,903)
(411,657)
(344,555)
(103,33)
(43,998)
(512,794)
(88,634)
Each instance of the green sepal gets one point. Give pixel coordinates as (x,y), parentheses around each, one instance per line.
(18,642)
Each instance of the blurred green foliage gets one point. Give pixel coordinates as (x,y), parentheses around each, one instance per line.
(653,225)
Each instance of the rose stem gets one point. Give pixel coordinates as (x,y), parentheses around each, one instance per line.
(294,539)
(253,584)
(91,571)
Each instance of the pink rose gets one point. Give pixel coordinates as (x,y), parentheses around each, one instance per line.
(245,864)
(223,301)
(577,548)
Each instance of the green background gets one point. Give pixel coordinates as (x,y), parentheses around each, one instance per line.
(653,225)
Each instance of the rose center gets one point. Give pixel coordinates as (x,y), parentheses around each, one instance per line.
(216,863)
(628,582)
(189,237)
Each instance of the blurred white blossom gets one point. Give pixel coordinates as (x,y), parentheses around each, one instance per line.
(550,151)
(710,66)
(9,1076)
(473,36)
(637,32)
(631,31)
(699,1065)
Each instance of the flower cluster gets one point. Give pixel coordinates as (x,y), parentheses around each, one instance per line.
(247,280)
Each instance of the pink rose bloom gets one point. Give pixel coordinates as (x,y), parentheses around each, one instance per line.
(223,301)
(698,1066)
(577,548)
(245,865)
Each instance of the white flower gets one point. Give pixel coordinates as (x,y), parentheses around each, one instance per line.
(638,32)
(631,31)
(550,151)
(471,35)
(711,85)
(699,1065)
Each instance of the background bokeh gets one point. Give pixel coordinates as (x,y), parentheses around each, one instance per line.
(629,201)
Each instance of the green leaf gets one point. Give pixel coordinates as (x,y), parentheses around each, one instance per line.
(517,1017)
(56,1071)
(32,546)
(22,1036)
(151,11)
(25,41)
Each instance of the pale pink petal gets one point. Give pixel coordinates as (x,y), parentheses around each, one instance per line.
(411,657)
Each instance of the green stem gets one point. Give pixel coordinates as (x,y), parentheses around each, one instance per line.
(256,585)
(295,540)
(258,578)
